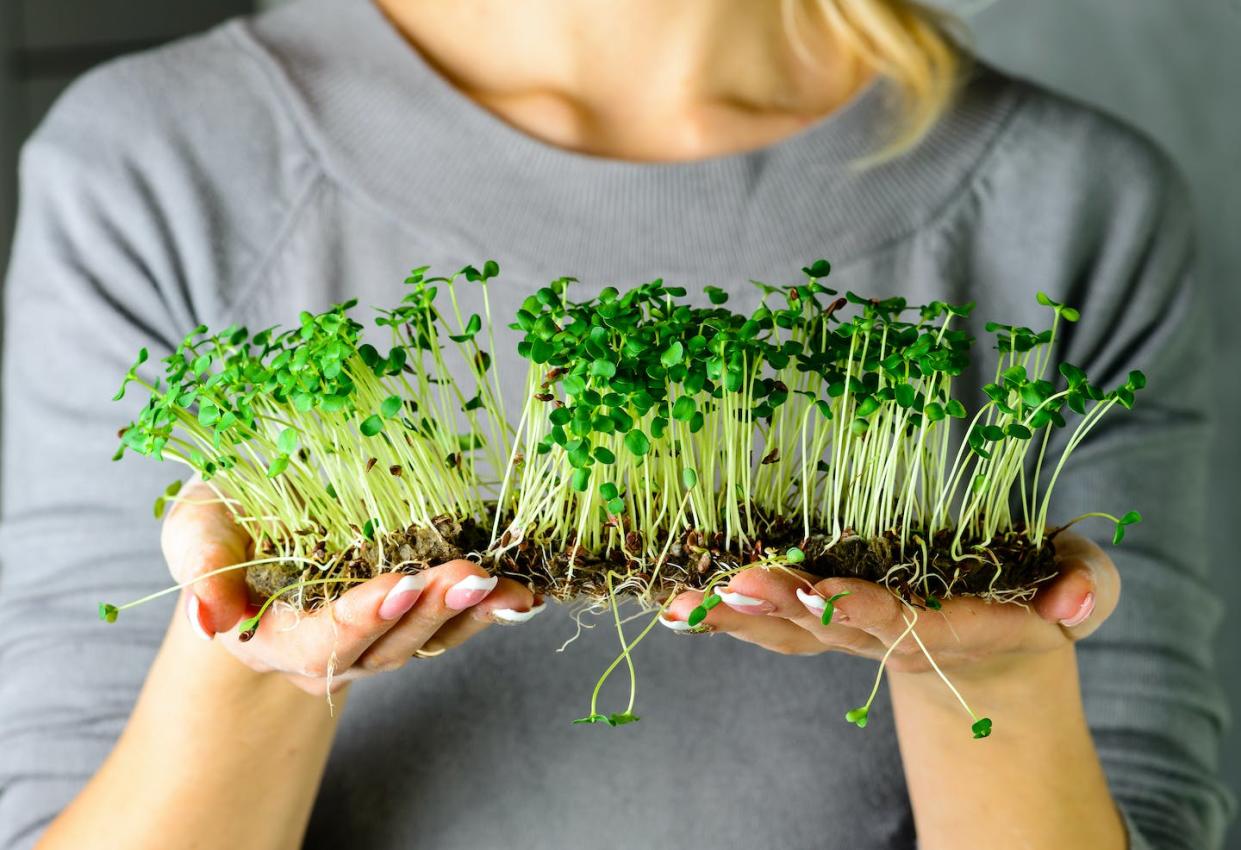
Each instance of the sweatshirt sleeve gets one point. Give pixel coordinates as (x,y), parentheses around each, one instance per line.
(1148,676)
(91,280)
(151,196)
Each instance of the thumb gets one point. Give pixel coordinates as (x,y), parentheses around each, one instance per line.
(200,536)
(1085,592)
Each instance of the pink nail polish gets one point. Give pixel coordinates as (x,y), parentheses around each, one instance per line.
(1086,609)
(745,604)
(402,597)
(469,592)
(193,613)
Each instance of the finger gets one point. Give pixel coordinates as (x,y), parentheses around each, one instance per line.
(773,633)
(792,595)
(1086,591)
(510,604)
(198,537)
(866,606)
(331,639)
(450,589)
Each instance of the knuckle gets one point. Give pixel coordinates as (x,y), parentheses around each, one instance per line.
(315,669)
(381,663)
(790,649)
(355,615)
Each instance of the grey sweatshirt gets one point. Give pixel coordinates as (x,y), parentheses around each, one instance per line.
(310,155)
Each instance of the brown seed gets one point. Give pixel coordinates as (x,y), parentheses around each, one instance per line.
(772,456)
(704,562)
(396,470)
(371,463)
(543,396)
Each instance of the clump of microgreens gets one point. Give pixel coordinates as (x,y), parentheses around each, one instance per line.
(660,443)
(321,443)
(636,399)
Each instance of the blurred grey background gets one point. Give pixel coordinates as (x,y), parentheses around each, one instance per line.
(1172,68)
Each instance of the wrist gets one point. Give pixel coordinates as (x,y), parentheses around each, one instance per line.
(1006,685)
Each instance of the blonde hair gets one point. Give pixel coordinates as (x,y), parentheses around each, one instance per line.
(916,47)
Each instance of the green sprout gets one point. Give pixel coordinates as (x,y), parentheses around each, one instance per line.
(829,606)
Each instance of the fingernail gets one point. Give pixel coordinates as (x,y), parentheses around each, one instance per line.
(469,592)
(682,627)
(675,625)
(510,616)
(1086,609)
(193,612)
(814,603)
(402,596)
(745,604)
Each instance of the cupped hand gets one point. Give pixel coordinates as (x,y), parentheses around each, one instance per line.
(375,626)
(781,610)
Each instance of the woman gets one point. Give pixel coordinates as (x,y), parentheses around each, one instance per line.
(315,154)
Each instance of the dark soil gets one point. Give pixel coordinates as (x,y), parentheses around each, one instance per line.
(1007,565)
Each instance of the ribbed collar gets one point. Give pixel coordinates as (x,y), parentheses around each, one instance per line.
(387,124)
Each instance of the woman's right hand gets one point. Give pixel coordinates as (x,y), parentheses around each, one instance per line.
(375,626)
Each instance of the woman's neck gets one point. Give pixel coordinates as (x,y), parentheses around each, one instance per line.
(635,79)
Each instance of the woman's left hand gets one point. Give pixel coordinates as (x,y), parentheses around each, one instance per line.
(781,611)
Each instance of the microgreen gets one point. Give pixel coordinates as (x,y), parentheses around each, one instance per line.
(1131,518)
(829,606)
(858,716)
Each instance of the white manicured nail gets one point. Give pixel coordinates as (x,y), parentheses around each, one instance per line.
(675,625)
(745,604)
(683,628)
(194,615)
(470,591)
(511,616)
(814,603)
(1084,611)
(402,596)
